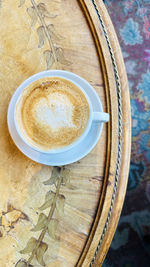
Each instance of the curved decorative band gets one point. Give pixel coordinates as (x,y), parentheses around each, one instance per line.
(118,86)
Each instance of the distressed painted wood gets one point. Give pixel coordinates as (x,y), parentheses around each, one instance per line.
(77,36)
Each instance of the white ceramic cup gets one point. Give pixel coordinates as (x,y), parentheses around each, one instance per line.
(94,116)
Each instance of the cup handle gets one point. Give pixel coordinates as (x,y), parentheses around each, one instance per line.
(100,117)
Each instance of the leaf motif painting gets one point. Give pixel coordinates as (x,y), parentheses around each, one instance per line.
(22,2)
(40,252)
(30,246)
(42,220)
(46,34)
(49,58)
(41,35)
(46,224)
(43,11)
(32,14)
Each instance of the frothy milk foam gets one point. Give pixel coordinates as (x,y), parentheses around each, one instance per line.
(52,113)
(56,111)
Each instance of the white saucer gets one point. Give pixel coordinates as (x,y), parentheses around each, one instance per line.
(77,152)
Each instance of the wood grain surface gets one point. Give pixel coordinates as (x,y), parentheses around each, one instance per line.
(77,36)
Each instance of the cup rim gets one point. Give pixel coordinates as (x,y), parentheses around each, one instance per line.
(60,74)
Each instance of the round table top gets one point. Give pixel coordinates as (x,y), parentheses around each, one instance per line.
(48,219)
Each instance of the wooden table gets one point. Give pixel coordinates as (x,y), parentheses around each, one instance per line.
(77,36)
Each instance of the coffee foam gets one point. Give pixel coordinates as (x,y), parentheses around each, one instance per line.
(55,111)
(52,113)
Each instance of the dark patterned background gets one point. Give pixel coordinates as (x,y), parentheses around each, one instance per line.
(131,243)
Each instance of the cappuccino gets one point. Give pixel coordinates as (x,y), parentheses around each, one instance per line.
(52,113)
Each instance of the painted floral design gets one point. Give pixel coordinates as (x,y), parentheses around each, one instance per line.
(140,117)
(128,6)
(147,56)
(147,27)
(144,86)
(130,67)
(130,33)
(131,244)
